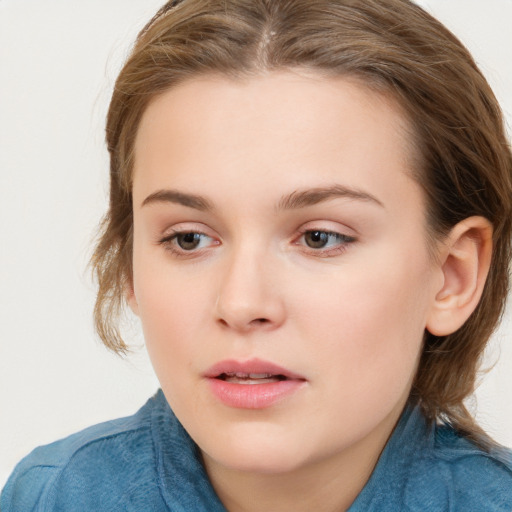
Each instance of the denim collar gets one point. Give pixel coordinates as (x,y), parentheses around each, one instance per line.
(185,486)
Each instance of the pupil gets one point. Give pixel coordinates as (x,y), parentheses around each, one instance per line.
(316,239)
(188,241)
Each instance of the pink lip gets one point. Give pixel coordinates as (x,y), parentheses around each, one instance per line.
(252,396)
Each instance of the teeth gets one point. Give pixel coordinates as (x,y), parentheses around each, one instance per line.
(260,375)
(250,378)
(241,375)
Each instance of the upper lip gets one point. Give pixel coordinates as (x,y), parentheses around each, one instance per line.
(251,366)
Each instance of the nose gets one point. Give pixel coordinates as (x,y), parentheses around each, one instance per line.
(250,297)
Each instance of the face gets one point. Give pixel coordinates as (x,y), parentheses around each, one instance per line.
(281,270)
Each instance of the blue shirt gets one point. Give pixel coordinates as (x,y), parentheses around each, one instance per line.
(147,462)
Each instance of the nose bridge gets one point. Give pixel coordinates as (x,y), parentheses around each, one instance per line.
(248,297)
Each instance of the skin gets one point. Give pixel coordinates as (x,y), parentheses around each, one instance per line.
(348,317)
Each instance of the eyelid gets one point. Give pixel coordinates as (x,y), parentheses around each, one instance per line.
(346,239)
(168,238)
(186,227)
(329,227)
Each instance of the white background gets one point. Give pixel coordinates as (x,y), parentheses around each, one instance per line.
(58,61)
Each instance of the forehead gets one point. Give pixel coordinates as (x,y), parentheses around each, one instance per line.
(289,129)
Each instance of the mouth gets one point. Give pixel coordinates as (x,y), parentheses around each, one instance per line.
(251,378)
(253,384)
(253,371)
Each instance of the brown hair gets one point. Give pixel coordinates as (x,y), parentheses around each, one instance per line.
(464,162)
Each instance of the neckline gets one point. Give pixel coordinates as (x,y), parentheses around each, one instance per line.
(183,480)
(184,484)
(411,436)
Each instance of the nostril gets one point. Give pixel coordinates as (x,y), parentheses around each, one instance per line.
(259,321)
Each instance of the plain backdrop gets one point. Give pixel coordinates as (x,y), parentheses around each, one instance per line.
(58,61)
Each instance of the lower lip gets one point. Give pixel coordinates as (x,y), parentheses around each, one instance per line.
(253,396)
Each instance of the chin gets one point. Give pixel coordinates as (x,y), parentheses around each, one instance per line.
(264,454)
(263,463)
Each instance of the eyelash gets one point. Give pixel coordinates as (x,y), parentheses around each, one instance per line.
(343,241)
(170,243)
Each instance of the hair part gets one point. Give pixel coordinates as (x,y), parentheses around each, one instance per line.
(463,160)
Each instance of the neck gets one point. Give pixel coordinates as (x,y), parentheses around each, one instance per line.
(328,485)
(300,491)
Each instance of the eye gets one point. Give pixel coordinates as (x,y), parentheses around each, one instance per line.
(182,242)
(188,241)
(325,242)
(318,239)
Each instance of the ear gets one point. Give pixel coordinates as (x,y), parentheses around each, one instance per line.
(131,299)
(465,257)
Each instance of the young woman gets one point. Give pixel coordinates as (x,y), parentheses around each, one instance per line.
(310,213)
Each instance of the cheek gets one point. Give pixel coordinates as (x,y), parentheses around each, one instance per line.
(370,318)
(169,312)
(171,309)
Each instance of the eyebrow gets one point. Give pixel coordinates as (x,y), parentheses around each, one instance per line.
(312,196)
(297,199)
(174,196)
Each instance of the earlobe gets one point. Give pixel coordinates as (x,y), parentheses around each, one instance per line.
(464,260)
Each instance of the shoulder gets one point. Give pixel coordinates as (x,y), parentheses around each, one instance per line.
(94,463)
(462,475)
